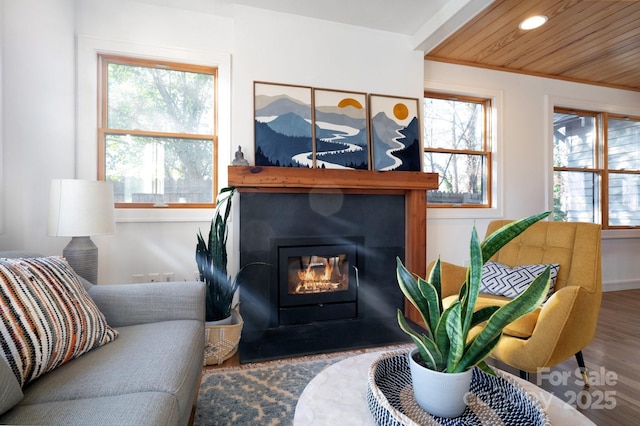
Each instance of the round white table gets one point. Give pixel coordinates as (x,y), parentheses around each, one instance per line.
(338,395)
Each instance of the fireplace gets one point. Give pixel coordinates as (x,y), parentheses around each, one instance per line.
(282,229)
(317,279)
(381,214)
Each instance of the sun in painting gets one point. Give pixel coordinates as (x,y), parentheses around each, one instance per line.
(349,102)
(400,111)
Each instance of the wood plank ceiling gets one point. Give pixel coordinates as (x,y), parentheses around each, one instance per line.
(591,41)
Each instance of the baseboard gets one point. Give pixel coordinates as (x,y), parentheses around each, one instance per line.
(621,285)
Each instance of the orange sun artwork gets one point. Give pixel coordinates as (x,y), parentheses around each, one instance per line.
(349,102)
(400,111)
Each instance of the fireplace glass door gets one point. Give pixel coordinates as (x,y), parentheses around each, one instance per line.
(318,277)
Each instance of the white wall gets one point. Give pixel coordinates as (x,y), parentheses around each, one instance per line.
(526,148)
(38,115)
(286,49)
(2,203)
(259,45)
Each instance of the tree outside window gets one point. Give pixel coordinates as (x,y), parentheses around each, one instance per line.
(157,132)
(457,147)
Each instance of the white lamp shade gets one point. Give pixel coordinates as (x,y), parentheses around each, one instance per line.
(80,208)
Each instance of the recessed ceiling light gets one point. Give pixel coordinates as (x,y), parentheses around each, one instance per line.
(533,22)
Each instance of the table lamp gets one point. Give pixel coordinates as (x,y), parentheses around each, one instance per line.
(80,209)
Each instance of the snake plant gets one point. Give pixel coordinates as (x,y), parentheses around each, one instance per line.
(212,261)
(445,345)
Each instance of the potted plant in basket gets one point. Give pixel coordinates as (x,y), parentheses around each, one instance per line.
(212,262)
(445,353)
(223,321)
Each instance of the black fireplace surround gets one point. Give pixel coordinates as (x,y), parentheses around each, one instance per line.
(270,222)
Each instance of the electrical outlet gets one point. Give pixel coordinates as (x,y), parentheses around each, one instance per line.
(137,278)
(154,277)
(168,276)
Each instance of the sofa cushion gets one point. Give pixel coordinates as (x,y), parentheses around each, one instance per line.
(154,358)
(149,408)
(46,316)
(501,280)
(10,392)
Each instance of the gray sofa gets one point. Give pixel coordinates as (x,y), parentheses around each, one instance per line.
(149,375)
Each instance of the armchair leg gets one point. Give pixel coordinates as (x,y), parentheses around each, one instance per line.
(583,368)
(524,375)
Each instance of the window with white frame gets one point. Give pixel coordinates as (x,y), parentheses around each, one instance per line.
(596,164)
(457,146)
(157,136)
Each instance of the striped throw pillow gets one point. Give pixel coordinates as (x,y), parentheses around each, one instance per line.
(47,318)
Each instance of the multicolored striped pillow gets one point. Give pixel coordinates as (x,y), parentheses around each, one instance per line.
(47,318)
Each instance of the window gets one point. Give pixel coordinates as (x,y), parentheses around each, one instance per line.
(457,147)
(596,165)
(157,132)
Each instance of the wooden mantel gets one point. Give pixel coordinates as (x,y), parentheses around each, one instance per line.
(412,184)
(301,178)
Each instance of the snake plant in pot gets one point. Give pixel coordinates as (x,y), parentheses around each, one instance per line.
(212,261)
(446,348)
(223,321)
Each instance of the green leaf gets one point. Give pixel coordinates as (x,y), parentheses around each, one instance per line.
(525,303)
(427,347)
(440,335)
(435,278)
(485,351)
(483,314)
(482,365)
(474,277)
(456,337)
(433,301)
(409,286)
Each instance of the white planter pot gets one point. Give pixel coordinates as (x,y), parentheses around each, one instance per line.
(223,321)
(440,394)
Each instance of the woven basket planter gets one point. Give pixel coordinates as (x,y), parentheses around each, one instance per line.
(221,341)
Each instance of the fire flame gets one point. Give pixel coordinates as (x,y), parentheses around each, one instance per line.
(317,280)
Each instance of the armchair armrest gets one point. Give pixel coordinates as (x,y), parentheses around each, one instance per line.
(574,312)
(566,324)
(128,304)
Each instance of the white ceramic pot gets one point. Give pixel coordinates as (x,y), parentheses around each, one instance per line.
(440,394)
(223,321)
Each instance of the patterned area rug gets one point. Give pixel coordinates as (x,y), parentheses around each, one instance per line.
(261,393)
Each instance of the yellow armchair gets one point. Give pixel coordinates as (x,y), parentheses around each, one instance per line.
(566,322)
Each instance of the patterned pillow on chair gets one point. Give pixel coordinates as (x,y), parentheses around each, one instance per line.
(502,280)
(46,316)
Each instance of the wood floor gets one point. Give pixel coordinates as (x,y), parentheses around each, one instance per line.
(613,360)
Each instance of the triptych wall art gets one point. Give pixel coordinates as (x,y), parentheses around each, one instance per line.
(300,126)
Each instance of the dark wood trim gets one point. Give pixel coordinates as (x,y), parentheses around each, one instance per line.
(303,178)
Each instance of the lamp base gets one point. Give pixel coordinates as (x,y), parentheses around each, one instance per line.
(82,255)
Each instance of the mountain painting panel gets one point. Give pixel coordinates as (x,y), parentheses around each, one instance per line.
(283,125)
